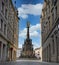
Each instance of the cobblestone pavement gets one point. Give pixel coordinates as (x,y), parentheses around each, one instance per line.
(27,62)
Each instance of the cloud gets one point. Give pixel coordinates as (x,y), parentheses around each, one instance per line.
(35,27)
(33,31)
(20,46)
(36,45)
(24,16)
(31,9)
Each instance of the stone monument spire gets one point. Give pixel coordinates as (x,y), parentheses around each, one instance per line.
(28,25)
(27,49)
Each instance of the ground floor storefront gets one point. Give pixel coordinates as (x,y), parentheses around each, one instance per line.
(50,49)
(11,54)
(3,49)
(7,51)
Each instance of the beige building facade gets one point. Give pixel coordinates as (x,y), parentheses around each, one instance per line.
(18,53)
(8,30)
(50,31)
(38,53)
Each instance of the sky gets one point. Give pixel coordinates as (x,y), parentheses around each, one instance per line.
(29,10)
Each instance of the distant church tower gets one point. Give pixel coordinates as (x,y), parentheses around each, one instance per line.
(27,49)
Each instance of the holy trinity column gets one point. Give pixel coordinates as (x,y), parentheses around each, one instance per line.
(27,48)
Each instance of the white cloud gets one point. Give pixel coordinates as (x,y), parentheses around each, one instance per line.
(26,9)
(20,46)
(35,27)
(36,45)
(24,16)
(34,34)
(33,31)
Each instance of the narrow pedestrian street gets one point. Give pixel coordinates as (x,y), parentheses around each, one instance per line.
(29,32)
(28,62)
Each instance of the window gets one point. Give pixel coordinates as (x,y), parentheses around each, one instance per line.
(4,28)
(47,53)
(52,1)
(49,26)
(57,45)
(38,54)
(49,8)
(6,13)
(56,12)
(53,46)
(1,25)
(2,7)
(52,18)
(0,49)
(55,1)
(6,0)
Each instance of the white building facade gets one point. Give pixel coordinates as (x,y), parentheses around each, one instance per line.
(18,52)
(38,53)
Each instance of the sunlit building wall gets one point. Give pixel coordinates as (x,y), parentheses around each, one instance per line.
(50,31)
(8,30)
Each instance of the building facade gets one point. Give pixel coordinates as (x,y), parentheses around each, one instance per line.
(8,30)
(50,31)
(38,53)
(18,53)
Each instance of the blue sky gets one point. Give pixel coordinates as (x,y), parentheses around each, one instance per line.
(29,10)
